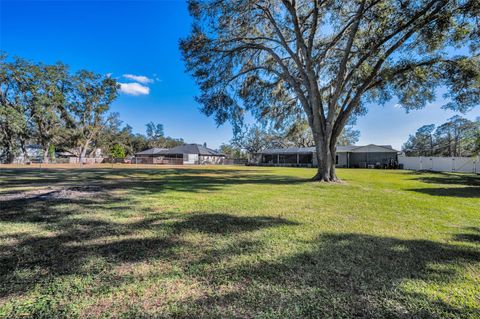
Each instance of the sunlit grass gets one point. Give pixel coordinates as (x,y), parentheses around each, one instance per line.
(242,242)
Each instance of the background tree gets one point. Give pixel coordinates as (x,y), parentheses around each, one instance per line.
(155,134)
(93,95)
(349,136)
(327,60)
(51,152)
(156,137)
(48,95)
(232,151)
(117,151)
(14,113)
(172,142)
(255,138)
(422,143)
(456,137)
(50,106)
(111,134)
(476,150)
(476,138)
(300,135)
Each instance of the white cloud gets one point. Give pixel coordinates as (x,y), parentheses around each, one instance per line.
(138,78)
(134,89)
(398,106)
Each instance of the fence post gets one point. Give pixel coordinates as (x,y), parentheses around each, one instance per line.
(453,164)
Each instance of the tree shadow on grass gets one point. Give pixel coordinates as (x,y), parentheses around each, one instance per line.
(453,184)
(462,179)
(339,276)
(346,276)
(78,240)
(472,235)
(155,181)
(227,224)
(463,192)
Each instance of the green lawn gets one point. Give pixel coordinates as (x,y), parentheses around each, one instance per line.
(238,242)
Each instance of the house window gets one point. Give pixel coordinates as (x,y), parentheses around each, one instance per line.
(336,159)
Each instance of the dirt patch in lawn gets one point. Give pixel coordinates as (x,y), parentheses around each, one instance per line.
(54,193)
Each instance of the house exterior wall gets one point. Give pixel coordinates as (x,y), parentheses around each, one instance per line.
(364,159)
(342,160)
(157,160)
(211,159)
(284,159)
(254,159)
(190,159)
(178,159)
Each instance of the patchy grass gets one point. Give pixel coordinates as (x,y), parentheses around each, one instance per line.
(238,242)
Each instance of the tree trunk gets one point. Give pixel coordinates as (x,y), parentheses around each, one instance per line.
(84,151)
(8,152)
(45,153)
(431,145)
(333,170)
(326,162)
(9,157)
(23,147)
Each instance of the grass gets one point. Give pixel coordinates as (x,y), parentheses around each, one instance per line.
(240,242)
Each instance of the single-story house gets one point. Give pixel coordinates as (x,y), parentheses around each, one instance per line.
(179,155)
(347,156)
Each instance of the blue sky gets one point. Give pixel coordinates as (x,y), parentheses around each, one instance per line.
(140,38)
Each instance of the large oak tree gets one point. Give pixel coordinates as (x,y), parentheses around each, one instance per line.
(14,113)
(47,105)
(326,61)
(93,95)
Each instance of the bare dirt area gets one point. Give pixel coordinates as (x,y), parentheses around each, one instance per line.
(53,193)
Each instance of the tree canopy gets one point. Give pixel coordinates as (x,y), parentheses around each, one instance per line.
(326,61)
(50,106)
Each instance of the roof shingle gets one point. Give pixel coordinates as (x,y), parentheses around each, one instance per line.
(182,149)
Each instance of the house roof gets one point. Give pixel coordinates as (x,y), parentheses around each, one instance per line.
(192,149)
(151,151)
(288,150)
(182,149)
(346,148)
(371,148)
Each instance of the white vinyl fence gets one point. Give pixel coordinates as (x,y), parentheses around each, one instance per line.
(441,164)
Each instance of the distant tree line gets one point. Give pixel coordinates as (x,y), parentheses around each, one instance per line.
(50,106)
(457,137)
